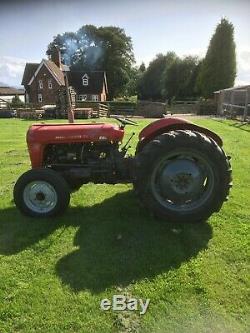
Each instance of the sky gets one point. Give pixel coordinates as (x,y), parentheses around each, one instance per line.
(155,26)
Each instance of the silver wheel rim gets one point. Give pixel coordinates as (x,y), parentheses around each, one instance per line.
(40,197)
(182,180)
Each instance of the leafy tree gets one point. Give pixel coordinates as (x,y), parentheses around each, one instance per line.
(98,48)
(180,78)
(151,84)
(142,67)
(16,102)
(218,70)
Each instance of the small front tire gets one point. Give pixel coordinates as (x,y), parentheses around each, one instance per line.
(41,193)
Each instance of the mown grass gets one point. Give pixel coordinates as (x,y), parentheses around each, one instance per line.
(54,273)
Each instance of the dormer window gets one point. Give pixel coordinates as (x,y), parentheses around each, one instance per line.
(41,84)
(85,80)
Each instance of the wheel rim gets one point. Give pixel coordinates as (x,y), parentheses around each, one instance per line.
(40,197)
(182,180)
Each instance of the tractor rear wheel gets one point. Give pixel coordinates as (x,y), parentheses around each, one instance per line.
(41,193)
(182,176)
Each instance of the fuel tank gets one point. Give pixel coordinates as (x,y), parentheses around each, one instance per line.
(69,133)
(40,135)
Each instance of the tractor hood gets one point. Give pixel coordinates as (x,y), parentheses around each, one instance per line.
(72,133)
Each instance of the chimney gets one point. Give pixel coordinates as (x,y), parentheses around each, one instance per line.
(56,56)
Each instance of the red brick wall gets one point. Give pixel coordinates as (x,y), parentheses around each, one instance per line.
(49,96)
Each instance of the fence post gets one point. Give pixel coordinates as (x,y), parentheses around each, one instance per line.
(232,103)
(246,106)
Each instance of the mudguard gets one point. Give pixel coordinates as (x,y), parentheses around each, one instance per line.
(170,124)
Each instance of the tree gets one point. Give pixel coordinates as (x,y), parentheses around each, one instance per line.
(218,70)
(142,67)
(180,77)
(98,48)
(16,102)
(151,83)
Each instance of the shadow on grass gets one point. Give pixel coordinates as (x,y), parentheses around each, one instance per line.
(18,232)
(117,242)
(244,126)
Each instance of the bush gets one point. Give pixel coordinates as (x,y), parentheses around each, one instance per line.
(16,102)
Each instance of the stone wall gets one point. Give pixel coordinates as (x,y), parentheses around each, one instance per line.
(149,109)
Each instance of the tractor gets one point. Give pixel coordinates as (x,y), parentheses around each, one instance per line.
(180,172)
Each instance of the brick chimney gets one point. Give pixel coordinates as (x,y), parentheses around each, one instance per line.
(56,56)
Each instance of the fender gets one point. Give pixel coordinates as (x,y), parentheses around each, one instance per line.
(170,124)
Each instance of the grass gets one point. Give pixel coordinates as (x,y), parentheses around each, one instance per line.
(54,273)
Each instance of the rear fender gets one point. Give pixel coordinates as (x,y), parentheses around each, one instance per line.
(171,124)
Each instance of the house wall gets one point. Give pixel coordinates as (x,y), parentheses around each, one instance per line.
(49,96)
(90,97)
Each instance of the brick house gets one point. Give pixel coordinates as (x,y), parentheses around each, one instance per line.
(89,86)
(42,82)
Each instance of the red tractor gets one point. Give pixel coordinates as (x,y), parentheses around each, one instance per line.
(180,171)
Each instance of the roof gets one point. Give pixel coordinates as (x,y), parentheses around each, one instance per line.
(56,71)
(95,84)
(6,91)
(29,71)
(32,69)
(233,88)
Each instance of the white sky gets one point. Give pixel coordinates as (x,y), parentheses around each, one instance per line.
(27,27)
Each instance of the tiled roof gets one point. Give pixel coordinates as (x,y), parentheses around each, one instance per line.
(95,83)
(29,71)
(56,71)
(31,68)
(5,91)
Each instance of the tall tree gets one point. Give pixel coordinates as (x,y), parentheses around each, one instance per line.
(103,48)
(151,83)
(218,70)
(180,77)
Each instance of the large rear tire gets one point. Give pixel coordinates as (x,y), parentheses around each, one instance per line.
(182,176)
(41,193)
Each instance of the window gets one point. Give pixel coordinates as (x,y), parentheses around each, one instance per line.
(50,84)
(82,97)
(95,98)
(40,98)
(85,80)
(41,84)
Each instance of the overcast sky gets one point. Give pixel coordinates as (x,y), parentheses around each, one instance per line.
(156,26)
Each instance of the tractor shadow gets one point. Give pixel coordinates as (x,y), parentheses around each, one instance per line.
(17,232)
(118,243)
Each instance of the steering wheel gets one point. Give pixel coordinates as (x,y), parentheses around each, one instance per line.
(125,121)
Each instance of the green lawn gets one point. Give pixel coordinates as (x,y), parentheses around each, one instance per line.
(54,273)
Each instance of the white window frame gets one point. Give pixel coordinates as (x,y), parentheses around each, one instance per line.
(50,85)
(95,98)
(82,98)
(40,98)
(40,84)
(85,80)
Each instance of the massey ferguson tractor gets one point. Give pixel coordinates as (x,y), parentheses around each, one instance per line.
(180,172)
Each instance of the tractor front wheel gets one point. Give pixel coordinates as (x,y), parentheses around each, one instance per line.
(182,176)
(41,193)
